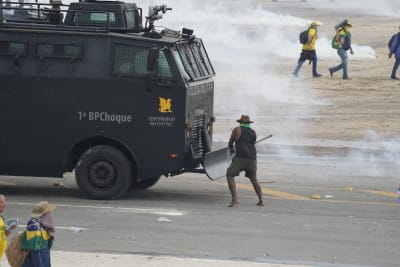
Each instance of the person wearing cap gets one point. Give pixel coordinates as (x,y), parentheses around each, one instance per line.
(308,51)
(39,236)
(342,42)
(245,158)
(395,49)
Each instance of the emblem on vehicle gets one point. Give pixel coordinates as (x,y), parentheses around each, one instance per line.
(165,105)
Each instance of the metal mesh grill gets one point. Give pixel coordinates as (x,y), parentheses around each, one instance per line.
(12,48)
(163,66)
(130,60)
(195,59)
(59,51)
(94,18)
(189,61)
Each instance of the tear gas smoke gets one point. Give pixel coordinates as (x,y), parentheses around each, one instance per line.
(247,46)
(389,8)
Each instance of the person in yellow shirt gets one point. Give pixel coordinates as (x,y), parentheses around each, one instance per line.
(3,227)
(3,236)
(308,51)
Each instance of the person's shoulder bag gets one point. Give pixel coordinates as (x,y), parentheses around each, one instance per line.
(15,255)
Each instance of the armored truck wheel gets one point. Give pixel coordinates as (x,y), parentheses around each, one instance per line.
(103,172)
(143,185)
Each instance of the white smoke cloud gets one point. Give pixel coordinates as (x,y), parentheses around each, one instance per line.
(376,144)
(247,46)
(389,8)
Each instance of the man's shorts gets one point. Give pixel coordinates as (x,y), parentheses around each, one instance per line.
(240,164)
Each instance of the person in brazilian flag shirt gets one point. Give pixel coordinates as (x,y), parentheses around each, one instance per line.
(39,236)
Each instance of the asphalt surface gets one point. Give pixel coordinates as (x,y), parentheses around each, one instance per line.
(315,215)
(67,259)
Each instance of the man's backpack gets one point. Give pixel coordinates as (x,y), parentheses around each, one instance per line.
(303,37)
(392,40)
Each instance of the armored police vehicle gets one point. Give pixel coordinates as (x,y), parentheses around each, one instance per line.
(88,88)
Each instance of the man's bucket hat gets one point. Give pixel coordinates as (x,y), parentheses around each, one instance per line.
(244,119)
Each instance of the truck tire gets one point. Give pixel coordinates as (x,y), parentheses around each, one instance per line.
(143,185)
(103,172)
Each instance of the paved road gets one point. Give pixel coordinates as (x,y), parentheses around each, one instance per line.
(355,223)
(68,259)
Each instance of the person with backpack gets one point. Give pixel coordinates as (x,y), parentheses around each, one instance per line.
(342,42)
(308,39)
(39,236)
(394,48)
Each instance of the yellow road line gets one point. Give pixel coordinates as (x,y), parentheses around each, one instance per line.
(357,202)
(285,195)
(274,193)
(383,193)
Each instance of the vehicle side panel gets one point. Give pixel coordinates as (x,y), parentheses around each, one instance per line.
(48,105)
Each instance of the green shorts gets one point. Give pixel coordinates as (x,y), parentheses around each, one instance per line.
(240,164)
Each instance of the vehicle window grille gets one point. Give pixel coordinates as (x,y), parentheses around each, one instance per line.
(131,18)
(94,18)
(189,61)
(164,69)
(198,142)
(130,60)
(195,59)
(12,48)
(204,58)
(67,51)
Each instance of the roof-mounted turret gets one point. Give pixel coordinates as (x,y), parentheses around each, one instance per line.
(109,14)
(88,15)
(154,15)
